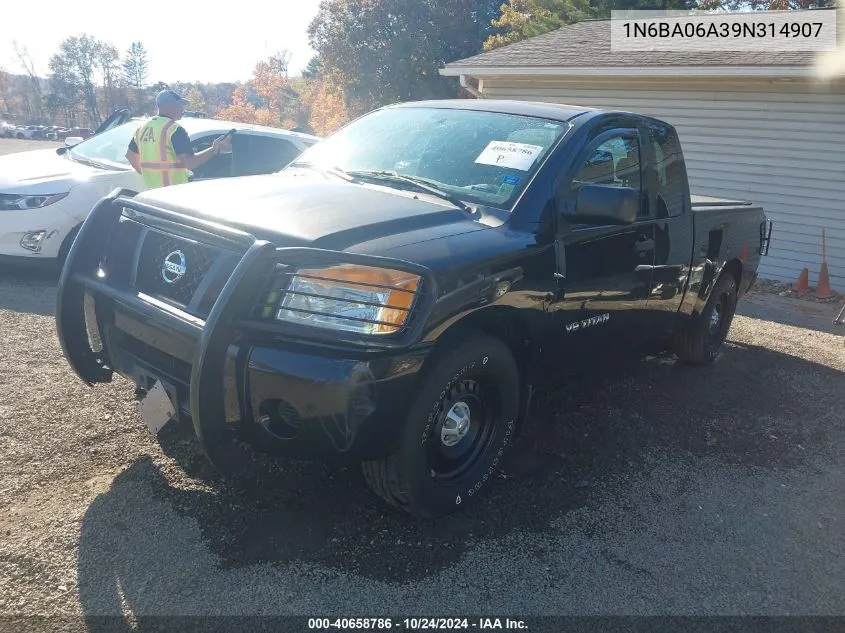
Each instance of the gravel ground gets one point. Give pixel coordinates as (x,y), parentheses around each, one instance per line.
(651,489)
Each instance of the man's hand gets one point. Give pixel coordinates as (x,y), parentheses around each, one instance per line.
(222,144)
(134,160)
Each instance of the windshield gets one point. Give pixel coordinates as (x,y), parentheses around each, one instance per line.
(485,157)
(108,147)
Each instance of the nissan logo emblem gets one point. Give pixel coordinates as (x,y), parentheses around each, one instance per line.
(173,268)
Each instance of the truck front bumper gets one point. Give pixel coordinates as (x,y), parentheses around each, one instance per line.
(277,392)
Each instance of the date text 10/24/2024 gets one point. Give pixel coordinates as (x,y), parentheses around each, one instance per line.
(417,624)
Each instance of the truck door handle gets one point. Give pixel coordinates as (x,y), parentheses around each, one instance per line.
(642,246)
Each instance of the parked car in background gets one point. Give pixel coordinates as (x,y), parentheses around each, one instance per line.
(51,132)
(7,130)
(27,132)
(46,194)
(82,132)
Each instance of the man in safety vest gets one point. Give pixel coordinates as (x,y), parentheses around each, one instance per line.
(161,151)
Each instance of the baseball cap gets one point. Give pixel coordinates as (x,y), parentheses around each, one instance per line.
(168,97)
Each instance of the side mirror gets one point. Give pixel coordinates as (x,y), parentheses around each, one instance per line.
(603,204)
(70,141)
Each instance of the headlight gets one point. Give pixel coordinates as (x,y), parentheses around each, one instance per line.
(31,240)
(352,298)
(15,202)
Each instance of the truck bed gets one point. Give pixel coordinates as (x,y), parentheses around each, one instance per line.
(726,229)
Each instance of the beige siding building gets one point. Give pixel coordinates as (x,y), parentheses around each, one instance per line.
(751,126)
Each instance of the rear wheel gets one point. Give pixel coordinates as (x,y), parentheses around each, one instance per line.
(456,433)
(700,342)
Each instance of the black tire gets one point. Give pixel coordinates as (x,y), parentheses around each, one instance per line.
(469,397)
(64,249)
(700,342)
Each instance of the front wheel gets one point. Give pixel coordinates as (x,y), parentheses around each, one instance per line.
(64,249)
(457,431)
(700,342)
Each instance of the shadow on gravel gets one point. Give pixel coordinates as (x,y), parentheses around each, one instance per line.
(28,291)
(752,408)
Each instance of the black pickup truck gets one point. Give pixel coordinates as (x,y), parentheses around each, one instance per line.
(393,296)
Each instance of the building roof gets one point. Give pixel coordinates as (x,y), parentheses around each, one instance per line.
(587,44)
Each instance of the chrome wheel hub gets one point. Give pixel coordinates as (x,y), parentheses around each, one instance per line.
(456,424)
(715,317)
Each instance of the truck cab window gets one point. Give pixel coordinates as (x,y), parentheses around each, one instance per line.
(671,172)
(615,162)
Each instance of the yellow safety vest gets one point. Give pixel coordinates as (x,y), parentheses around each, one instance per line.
(160,166)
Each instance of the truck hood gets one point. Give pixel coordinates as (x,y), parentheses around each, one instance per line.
(300,209)
(44,172)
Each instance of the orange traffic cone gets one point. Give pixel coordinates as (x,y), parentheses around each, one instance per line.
(824,290)
(803,283)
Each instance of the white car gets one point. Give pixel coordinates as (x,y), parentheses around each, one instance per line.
(26,131)
(45,195)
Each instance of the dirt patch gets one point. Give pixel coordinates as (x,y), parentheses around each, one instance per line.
(765,286)
(13,145)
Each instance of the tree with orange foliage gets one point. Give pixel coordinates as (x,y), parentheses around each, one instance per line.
(240,109)
(327,103)
(266,98)
(269,79)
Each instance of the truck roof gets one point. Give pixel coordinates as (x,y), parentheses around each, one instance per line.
(555,111)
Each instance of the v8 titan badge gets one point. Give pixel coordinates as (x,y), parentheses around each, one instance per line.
(156,408)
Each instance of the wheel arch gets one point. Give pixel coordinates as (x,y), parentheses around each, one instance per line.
(691,343)
(505,323)
(732,267)
(67,242)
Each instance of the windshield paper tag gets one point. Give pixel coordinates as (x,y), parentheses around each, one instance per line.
(506,154)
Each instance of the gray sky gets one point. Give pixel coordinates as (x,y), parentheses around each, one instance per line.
(185,41)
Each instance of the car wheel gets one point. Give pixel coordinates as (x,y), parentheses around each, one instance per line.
(456,433)
(64,249)
(699,344)
(20,136)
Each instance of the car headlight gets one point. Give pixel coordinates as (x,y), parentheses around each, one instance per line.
(352,298)
(16,202)
(32,240)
